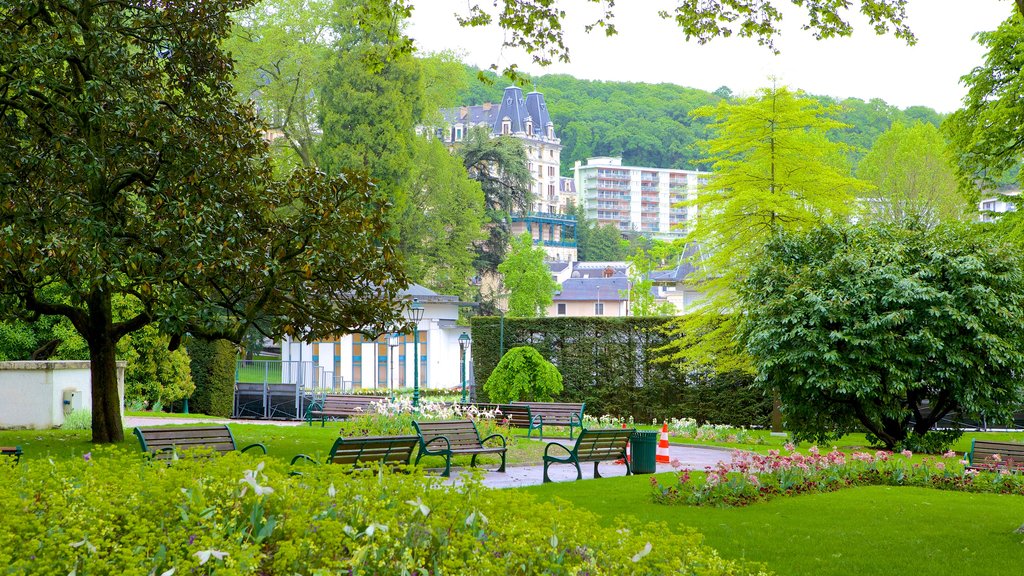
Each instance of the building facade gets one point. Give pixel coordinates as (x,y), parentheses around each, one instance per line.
(358,362)
(526,117)
(638,199)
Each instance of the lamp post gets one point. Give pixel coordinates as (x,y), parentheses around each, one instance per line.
(392,344)
(464,342)
(415,315)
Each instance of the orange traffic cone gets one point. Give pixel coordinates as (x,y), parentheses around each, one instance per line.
(662,454)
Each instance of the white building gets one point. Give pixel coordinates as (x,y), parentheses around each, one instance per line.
(355,361)
(638,199)
(991,207)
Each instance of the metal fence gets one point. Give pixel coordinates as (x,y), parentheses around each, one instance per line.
(279,389)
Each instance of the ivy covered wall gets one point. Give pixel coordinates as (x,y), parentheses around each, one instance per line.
(609,364)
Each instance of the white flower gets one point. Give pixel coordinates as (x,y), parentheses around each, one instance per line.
(642,553)
(204,555)
(419,502)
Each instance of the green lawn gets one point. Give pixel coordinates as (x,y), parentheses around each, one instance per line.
(860,531)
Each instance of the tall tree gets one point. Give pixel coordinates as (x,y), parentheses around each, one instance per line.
(129,169)
(282,49)
(774,169)
(641,299)
(527,278)
(885,328)
(500,166)
(912,177)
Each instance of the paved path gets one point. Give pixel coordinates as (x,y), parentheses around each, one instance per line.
(688,457)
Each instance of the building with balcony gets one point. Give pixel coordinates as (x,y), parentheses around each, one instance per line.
(526,117)
(637,199)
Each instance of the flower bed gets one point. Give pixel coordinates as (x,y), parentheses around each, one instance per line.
(394,417)
(722,433)
(750,477)
(121,513)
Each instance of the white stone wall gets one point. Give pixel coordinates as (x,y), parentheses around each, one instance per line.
(32,392)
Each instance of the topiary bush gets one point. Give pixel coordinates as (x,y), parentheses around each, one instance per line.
(523,375)
(213,371)
(119,512)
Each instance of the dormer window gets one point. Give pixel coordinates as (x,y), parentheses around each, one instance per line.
(551,130)
(529,127)
(506,126)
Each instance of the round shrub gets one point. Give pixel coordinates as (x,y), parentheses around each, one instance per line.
(523,375)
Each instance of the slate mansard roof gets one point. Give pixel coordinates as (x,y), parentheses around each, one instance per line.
(513,106)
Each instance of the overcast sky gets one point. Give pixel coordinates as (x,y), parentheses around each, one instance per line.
(648,49)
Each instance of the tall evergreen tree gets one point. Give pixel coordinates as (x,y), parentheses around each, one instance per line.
(774,169)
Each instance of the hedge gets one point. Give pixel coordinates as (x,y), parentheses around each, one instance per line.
(122,513)
(213,371)
(609,364)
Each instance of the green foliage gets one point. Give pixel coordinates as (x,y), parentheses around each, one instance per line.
(123,134)
(80,419)
(774,169)
(597,243)
(864,326)
(523,375)
(233,515)
(641,299)
(610,363)
(527,279)
(213,371)
(912,177)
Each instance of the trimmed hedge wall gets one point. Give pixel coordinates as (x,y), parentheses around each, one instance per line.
(608,363)
(213,371)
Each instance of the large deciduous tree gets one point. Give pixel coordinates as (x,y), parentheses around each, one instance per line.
(912,177)
(773,170)
(128,169)
(527,279)
(886,328)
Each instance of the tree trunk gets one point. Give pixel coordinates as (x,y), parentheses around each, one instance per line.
(106,403)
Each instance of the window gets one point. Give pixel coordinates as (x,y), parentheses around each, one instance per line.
(529,127)
(599,309)
(506,126)
(551,191)
(561,309)
(551,170)
(540,171)
(458,134)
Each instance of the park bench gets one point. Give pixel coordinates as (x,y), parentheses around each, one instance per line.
(341,406)
(450,437)
(517,415)
(358,451)
(597,445)
(11,451)
(556,414)
(991,455)
(165,442)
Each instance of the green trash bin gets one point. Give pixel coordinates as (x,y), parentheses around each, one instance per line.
(644,450)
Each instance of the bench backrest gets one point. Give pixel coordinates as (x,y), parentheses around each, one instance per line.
(602,443)
(555,411)
(341,402)
(12,451)
(518,415)
(394,450)
(460,433)
(164,441)
(982,452)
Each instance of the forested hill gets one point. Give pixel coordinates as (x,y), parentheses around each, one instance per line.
(650,124)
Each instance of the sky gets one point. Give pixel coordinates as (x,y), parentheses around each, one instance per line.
(649,49)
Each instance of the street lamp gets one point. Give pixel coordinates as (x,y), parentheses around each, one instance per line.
(415,315)
(393,339)
(464,342)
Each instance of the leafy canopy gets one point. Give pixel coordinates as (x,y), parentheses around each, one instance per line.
(886,328)
(527,279)
(523,375)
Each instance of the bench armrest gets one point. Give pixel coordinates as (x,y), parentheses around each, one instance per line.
(256,445)
(578,418)
(550,444)
(301,456)
(447,445)
(503,444)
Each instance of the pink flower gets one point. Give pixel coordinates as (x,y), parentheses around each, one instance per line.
(881,455)
(949,454)
(813,450)
(907,453)
(789,447)
(940,465)
(997,457)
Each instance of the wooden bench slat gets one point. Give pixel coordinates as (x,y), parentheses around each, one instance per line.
(356,451)
(983,452)
(163,442)
(462,438)
(595,445)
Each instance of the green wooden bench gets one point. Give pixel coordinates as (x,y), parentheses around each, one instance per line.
(991,455)
(341,406)
(556,414)
(450,437)
(596,445)
(11,451)
(362,450)
(517,415)
(165,442)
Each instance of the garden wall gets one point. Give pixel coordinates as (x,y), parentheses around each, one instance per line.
(34,392)
(609,364)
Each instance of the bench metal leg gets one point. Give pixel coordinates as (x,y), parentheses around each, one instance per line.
(502,469)
(579,473)
(546,479)
(596,473)
(448,465)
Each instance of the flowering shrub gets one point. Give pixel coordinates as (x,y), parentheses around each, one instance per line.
(120,513)
(395,417)
(688,428)
(605,421)
(750,477)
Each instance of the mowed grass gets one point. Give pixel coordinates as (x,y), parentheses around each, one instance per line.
(855,532)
